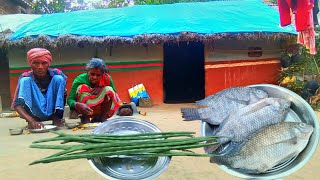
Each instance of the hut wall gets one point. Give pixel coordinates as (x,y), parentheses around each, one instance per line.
(132,65)
(129,65)
(228,64)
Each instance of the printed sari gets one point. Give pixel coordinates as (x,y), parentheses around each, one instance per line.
(83,95)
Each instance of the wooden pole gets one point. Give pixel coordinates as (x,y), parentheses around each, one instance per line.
(0,105)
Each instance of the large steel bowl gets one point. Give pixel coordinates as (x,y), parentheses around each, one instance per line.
(128,168)
(300,111)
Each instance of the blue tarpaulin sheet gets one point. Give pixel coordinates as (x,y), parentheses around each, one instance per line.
(201,17)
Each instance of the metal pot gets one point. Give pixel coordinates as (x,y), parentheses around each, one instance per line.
(300,111)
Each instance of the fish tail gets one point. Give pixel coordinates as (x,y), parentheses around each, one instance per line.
(200,103)
(190,114)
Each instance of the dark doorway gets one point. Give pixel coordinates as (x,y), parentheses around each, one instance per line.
(183,72)
(4,79)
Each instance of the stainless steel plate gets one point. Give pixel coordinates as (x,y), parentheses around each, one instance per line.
(46,128)
(300,111)
(129,168)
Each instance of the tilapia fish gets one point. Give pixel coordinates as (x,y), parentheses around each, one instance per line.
(268,147)
(218,106)
(245,121)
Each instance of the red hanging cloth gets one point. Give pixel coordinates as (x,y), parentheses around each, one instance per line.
(299,8)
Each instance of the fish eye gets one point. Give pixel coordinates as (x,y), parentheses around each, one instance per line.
(286,106)
(302,124)
(259,91)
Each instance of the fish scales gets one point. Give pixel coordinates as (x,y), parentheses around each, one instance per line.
(268,147)
(243,122)
(218,106)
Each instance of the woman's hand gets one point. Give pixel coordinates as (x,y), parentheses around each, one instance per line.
(96,91)
(83,108)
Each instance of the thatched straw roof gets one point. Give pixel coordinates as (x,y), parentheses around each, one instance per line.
(87,41)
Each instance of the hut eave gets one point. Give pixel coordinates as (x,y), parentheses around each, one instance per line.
(143,39)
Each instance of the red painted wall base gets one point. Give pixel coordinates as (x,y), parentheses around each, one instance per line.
(240,73)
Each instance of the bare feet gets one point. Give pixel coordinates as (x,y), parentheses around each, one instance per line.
(57,122)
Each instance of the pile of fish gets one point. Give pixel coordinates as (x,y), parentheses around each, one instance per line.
(254,136)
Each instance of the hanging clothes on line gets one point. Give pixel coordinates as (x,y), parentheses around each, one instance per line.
(307,37)
(301,11)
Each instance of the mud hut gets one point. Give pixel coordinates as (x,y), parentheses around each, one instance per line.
(180,52)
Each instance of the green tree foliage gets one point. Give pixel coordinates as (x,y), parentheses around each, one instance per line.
(304,67)
(118,3)
(56,6)
(305,64)
(48,7)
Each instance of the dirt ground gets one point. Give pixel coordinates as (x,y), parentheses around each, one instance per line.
(15,155)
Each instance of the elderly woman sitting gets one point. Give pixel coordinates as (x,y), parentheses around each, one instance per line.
(40,94)
(93,94)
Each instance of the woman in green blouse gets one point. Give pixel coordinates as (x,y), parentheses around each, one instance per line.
(93,94)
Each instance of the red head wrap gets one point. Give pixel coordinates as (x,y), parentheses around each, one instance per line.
(39,54)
